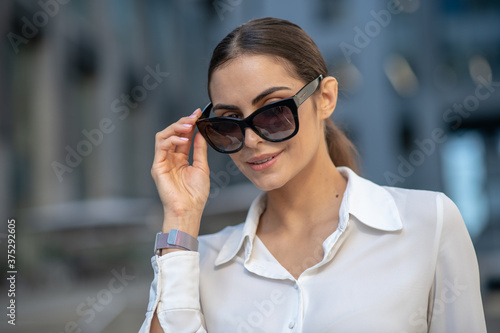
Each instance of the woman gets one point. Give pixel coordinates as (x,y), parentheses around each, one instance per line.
(322,250)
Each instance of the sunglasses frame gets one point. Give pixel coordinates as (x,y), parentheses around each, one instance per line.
(292,103)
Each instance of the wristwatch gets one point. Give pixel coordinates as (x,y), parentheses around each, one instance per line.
(175,239)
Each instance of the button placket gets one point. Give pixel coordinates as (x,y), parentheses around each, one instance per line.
(292,324)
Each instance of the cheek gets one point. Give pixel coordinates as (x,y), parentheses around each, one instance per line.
(237,161)
(311,121)
(310,130)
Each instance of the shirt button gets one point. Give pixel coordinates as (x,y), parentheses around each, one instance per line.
(291,325)
(296,286)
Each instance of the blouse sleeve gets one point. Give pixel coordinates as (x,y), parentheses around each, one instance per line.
(455,302)
(174,293)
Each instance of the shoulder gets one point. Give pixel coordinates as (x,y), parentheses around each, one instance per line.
(421,200)
(425,207)
(403,196)
(431,222)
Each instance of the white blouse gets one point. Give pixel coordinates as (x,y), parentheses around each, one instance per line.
(400,261)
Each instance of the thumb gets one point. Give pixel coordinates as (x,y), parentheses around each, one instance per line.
(200,159)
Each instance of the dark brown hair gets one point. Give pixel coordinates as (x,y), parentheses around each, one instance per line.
(293,47)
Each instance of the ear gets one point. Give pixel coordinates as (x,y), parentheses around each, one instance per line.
(327,100)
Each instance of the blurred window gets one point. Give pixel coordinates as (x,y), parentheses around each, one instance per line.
(461,6)
(329,11)
(464,176)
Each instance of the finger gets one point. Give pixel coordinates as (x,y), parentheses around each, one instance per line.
(200,153)
(167,146)
(196,114)
(191,124)
(184,149)
(180,126)
(184,128)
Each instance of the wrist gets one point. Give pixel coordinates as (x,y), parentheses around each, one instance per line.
(188,223)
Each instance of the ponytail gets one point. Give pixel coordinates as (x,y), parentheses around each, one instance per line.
(342,150)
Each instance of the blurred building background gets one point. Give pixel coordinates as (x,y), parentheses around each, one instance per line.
(85,85)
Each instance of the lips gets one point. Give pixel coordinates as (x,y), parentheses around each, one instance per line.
(263,162)
(262,158)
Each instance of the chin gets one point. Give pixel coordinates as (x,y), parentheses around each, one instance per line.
(266,187)
(267,182)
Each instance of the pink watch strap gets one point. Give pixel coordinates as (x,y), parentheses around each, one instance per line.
(175,239)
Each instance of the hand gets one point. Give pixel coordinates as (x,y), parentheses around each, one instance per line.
(183,188)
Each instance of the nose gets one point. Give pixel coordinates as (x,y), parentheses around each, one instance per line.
(251,138)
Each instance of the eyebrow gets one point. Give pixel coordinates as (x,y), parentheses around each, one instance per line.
(267,92)
(254,101)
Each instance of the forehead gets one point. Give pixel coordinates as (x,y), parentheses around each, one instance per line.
(248,75)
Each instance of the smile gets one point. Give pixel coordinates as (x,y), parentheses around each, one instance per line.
(263,162)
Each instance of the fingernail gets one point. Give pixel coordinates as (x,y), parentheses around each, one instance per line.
(194,114)
(184,139)
(187,125)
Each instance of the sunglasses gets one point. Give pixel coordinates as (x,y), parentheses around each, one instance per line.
(275,122)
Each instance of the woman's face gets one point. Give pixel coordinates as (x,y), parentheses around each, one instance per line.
(248,83)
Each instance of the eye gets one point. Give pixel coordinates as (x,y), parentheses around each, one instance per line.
(231,114)
(272,100)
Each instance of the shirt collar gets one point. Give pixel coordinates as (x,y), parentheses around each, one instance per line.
(233,244)
(371,204)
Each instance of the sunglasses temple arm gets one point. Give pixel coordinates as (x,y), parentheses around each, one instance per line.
(308,90)
(206,111)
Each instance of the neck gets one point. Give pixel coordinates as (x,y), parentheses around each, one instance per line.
(310,200)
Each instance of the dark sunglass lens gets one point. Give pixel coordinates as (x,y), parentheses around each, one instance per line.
(276,123)
(225,135)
